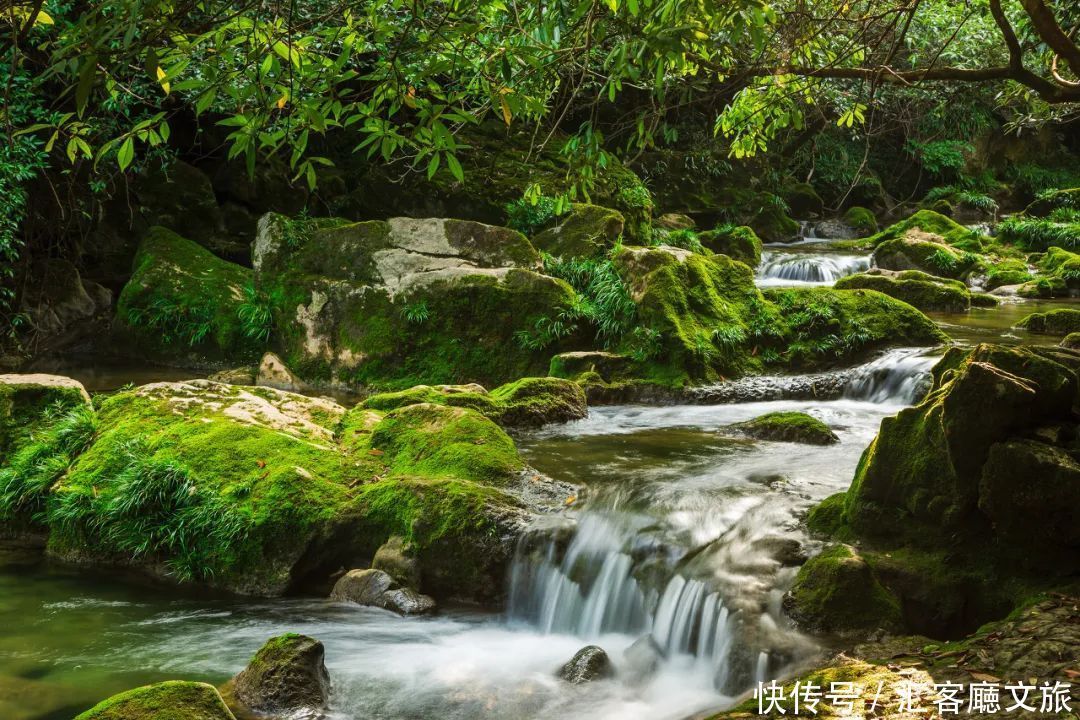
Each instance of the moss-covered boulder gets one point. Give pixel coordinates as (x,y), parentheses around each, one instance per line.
(926,292)
(1053,322)
(929,242)
(929,223)
(587,231)
(674,221)
(257,490)
(184,302)
(836,591)
(173,700)
(1047,202)
(802,200)
(286,678)
(965,504)
(796,427)
(772,223)
(28,401)
(1071,341)
(1007,272)
(861,220)
(737,242)
(403,302)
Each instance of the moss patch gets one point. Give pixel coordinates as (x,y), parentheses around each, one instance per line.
(172,700)
(918,289)
(737,242)
(1054,322)
(795,427)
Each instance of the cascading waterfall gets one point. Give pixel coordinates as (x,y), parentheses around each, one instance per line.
(784,268)
(707,607)
(899,376)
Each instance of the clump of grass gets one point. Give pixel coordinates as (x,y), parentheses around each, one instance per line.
(416,313)
(256,314)
(174,322)
(604,299)
(1038,234)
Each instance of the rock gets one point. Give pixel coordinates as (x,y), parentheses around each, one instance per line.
(794,427)
(1054,322)
(674,221)
(234,376)
(1048,202)
(802,200)
(587,231)
(642,659)
(57,300)
(588,664)
(286,677)
(923,291)
(274,374)
(395,558)
(377,588)
(738,243)
(861,220)
(529,402)
(24,400)
(1071,341)
(834,229)
(927,241)
(181,198)
(608,365)
(773,225)
(1043,510)
(433,301)
(173,700)
(837,591)
(181,301)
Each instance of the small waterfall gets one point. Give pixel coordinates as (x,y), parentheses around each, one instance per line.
(587,587)
(899,377)
(780,268)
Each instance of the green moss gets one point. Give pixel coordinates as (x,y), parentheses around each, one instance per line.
(174,700)
(862,220)
(930,222)
(772,223)
(737,242)
(588,231)
(983,300)
(802,200)
(1071,341)
(1007,272)
(183,299)
(27,403)
(1036,234)
(1054,322)
(1044,287)
(1051,200)
(440,441)
(837,591)
(926,253)
(918,289)
(788,427)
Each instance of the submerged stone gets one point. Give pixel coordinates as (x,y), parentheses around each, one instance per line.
(173,700)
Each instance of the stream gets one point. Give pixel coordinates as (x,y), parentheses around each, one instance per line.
(675,561)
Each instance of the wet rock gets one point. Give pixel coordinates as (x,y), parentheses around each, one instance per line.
(24,399)
(674,221)
(794,427)
(173,700)
(286,677)
(643,659)
(273,373)
(395,558)
(379,589)
(834,229)
(588,664)
(1054,322)
(737,242)
(1071,341)
(587,231)
(926,292)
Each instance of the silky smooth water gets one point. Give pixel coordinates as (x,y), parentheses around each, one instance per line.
(684,542)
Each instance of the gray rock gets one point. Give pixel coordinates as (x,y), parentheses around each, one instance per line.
(834,229)
(274,373)
(378,589)
(643,659)
(287,677)
(394,559)
(588,664)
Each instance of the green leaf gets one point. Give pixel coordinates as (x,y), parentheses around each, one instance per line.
(125,154)
(87,75)
(433,165)
(455,167)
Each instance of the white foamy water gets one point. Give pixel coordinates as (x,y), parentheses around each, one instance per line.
(807,268)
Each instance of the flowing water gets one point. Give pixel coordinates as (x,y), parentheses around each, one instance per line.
(807,265)
(674,560)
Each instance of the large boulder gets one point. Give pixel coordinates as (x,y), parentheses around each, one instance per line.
(182,301)
(58,301)
(1053,322)
(173,700)
(378,589)
(836,591)
(922,251)
(286,678)
(587,231)
(918,289)
(977,482)
(737,242)
(403,301)
(257,490)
